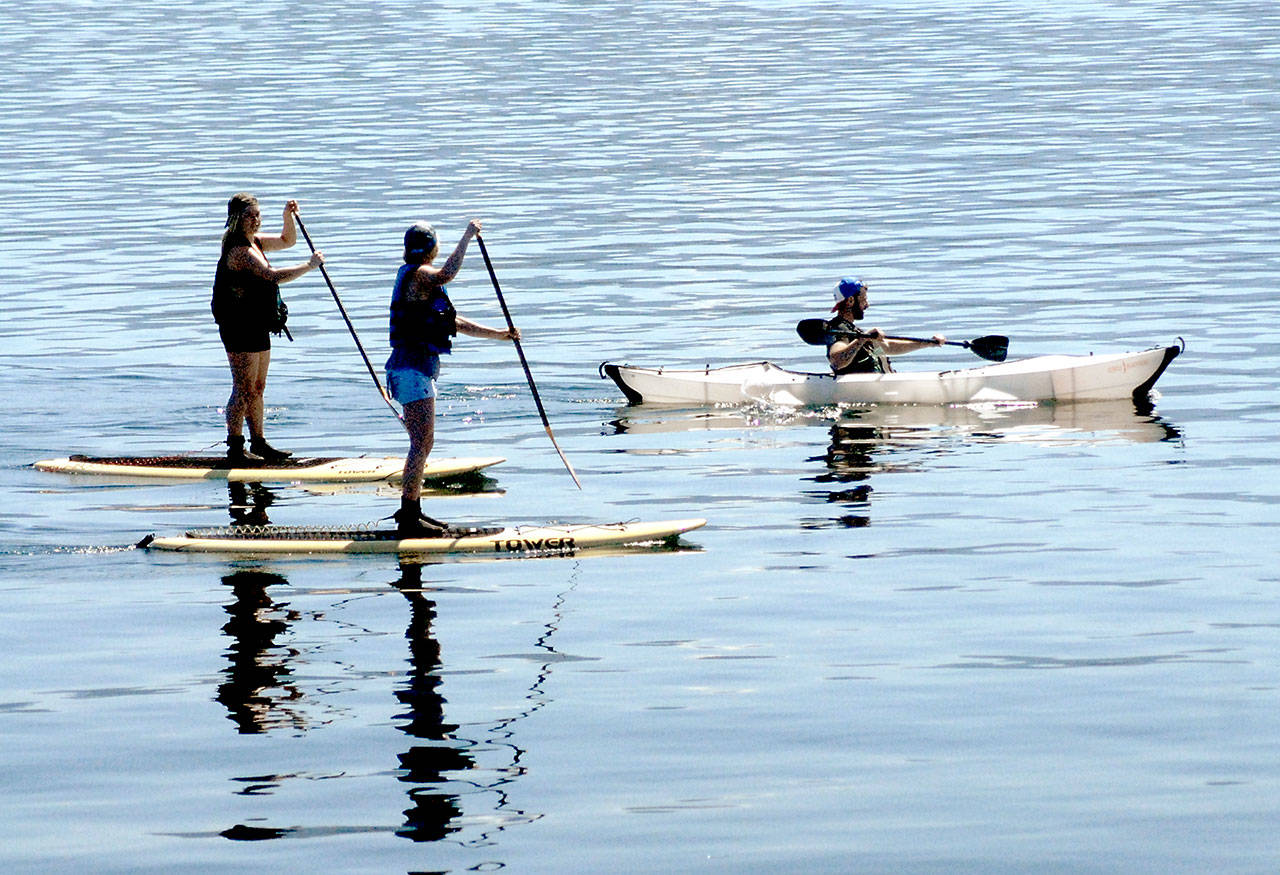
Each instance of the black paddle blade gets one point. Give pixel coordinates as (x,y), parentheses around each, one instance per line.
(812,331)
(993,347)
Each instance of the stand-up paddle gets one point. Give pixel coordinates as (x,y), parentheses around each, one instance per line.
(992,347)
(523,362)
(343,310)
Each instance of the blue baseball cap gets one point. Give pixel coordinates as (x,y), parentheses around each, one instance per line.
(849,287)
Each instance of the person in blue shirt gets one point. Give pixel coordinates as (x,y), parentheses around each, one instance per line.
(423,324)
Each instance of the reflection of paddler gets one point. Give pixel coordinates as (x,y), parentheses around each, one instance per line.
(426,765)
(849,456)
(849,461)
(249,503)
(256,686)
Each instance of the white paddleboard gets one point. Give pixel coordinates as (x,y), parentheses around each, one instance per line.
(361,469)
(527,541)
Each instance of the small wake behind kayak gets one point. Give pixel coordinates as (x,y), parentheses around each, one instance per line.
(511,541)
(361,469)
(1050,378)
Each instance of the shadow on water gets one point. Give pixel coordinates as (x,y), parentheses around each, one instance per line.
(440,765)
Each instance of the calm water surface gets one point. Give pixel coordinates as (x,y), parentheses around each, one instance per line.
(908,640)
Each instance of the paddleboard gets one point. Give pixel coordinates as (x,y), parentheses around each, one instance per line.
(361,469)
(522,541)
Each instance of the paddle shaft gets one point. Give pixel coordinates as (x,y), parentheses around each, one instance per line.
(992,347)
(929,340)
(524,363)
(343,310)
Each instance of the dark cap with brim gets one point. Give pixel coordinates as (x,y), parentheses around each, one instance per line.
(419,241)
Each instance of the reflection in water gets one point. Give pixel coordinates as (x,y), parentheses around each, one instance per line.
(440,766)
(1094,421)
(866,439)
(849,462)
(257,693)
(433,811)
(446,758)
(249,503)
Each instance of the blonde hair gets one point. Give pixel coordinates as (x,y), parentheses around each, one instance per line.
(239,204)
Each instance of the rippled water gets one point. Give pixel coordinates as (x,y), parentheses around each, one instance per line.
(908,639)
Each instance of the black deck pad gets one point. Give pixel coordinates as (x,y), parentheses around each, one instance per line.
(215,462)
(328,533)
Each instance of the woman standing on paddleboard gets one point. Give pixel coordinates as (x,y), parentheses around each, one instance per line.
(247,307)
(423,321)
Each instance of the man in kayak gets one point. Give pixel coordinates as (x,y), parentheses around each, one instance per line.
(423,322)
(850,349)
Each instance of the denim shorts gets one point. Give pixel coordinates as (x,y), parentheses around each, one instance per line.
(413,384)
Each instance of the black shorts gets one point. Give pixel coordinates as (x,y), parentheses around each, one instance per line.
(244,338)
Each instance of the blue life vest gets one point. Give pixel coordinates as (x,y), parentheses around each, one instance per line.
(420,327)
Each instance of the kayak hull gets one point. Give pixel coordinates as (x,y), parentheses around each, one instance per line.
(362,469)
(1051,378)
(513,541)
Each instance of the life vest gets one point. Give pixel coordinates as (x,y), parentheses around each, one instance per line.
(867,359)
(244,299)
(421,325)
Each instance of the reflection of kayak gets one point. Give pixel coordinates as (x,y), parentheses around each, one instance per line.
(362,469)
(1058,378)
(1097,422)
(557,540)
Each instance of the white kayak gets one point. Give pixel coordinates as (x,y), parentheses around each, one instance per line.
(361,469)
(510,541)
(1049,378)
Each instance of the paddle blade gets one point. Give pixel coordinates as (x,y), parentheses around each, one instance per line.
(812,331)
(993,347)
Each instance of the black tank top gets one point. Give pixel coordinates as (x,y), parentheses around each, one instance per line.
(241,298)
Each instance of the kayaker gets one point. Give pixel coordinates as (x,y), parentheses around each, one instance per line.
(422,322)
(853,350)
(245,306)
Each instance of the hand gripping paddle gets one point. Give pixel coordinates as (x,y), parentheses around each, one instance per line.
(992,347)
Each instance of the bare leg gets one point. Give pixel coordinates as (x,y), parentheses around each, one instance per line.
(244,379)
(258,388)
(420,422)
